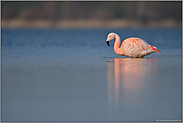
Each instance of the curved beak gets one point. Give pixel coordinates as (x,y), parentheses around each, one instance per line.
(107,43)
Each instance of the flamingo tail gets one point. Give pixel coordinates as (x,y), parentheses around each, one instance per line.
(155,49)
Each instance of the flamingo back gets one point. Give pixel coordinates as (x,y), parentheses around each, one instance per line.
(136,47)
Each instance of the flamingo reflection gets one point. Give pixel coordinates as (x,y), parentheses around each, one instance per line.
(126,79)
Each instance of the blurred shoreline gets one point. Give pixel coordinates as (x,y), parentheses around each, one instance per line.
(117,23)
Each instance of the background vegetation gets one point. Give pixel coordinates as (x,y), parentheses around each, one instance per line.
(143,12)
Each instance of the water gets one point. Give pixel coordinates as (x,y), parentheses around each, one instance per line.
(72,75)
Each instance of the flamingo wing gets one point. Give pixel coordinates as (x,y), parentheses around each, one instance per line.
(136,47)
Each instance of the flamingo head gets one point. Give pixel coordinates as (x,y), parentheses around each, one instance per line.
(110,37)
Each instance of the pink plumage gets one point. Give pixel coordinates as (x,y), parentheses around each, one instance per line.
(132,47)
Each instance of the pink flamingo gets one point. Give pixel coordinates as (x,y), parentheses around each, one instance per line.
(132,47)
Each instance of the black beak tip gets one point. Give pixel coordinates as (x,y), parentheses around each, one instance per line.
(107,43)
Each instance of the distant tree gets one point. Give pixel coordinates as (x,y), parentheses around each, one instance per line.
(135,10)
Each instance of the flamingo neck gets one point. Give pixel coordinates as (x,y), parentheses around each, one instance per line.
(119,50)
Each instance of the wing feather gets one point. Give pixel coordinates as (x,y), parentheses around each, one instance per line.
(135,47)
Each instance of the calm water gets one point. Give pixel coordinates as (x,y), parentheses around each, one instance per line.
(72,75)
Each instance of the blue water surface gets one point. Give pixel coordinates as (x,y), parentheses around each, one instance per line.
(72,75)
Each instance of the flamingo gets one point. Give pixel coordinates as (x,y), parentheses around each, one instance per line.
(132,47)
